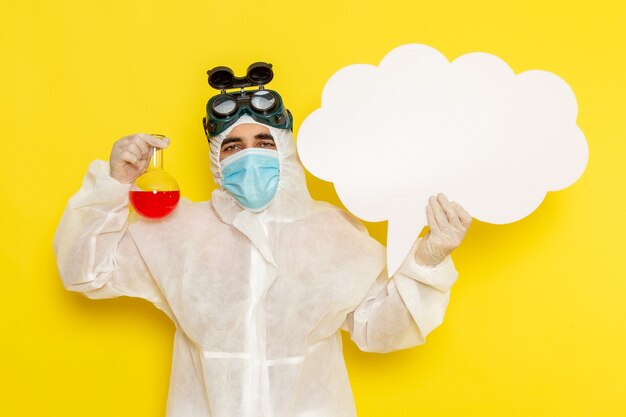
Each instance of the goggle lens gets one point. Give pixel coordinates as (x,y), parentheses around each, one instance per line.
(224,105)
(262,101)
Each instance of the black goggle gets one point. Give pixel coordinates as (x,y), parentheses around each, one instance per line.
(264,106)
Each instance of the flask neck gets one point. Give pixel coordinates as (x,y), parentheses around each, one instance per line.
(156,161)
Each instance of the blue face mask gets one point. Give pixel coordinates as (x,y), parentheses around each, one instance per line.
(251,176)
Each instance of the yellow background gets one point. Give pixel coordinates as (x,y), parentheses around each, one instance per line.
(536,325)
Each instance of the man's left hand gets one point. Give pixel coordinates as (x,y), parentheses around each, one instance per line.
(448,223)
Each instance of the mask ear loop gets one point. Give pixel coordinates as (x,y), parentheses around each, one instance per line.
(278,136)
(218,146)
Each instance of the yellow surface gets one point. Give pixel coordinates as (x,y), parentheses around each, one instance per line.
(536,326)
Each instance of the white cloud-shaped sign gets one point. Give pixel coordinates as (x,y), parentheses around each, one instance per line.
(389,136)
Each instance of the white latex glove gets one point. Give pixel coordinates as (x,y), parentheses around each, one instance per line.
(131,154)
(448,223)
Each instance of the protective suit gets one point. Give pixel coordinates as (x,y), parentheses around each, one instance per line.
(258,299)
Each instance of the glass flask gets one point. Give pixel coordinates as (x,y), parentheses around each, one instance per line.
(155,193)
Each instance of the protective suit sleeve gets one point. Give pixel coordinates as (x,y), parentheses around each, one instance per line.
(399,312)
(95,252)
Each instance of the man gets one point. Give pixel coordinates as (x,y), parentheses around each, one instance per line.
(259,280)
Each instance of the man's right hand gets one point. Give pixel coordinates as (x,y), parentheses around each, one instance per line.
(131,155)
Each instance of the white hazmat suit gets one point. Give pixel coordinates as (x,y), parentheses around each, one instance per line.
(257,299)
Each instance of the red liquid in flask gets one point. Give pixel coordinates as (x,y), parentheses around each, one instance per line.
(154,204)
